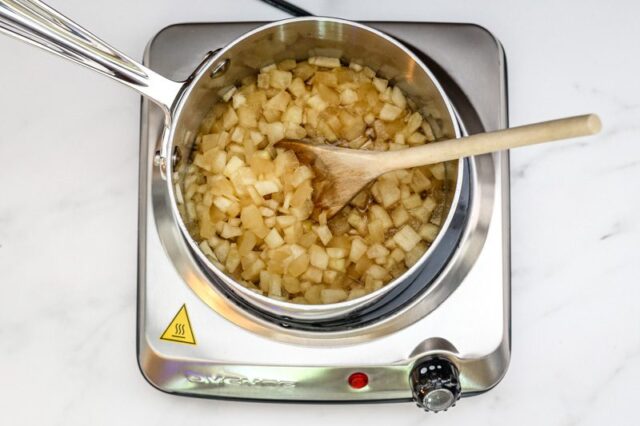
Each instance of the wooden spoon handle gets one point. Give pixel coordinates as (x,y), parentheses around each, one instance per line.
(483,143)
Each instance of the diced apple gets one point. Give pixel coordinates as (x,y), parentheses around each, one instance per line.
(337,252)
(266,187)
(273,239)
(429,232)
(438,171)
(377,250)
(389,112)
(279,79)
(324,233)
(406,238)
(326,62)
(232,166)
(358,248)
(397,97)
(399,216)
(330,295)
(318,257)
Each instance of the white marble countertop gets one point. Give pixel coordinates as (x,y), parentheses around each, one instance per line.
(68,181)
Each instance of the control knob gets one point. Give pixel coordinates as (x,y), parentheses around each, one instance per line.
(435,384)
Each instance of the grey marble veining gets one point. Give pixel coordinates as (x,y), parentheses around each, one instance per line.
(68,184)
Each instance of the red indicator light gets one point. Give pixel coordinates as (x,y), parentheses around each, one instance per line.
(358,380)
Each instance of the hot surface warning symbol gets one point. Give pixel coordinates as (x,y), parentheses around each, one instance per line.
(179,330)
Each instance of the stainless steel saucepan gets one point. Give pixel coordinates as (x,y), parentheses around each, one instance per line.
(186,103)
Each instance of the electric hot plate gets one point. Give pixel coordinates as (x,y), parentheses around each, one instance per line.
(451,341)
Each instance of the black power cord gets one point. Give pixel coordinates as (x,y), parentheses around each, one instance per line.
(285,6)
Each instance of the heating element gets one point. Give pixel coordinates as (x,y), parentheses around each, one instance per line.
(453,340)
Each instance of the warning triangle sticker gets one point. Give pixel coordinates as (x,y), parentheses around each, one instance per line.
(179,330)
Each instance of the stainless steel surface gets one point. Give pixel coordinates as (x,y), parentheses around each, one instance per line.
(471,327)
(185,104)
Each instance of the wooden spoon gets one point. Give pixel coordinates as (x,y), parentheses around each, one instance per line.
(341,172)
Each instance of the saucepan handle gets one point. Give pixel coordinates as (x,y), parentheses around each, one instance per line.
(38,24)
